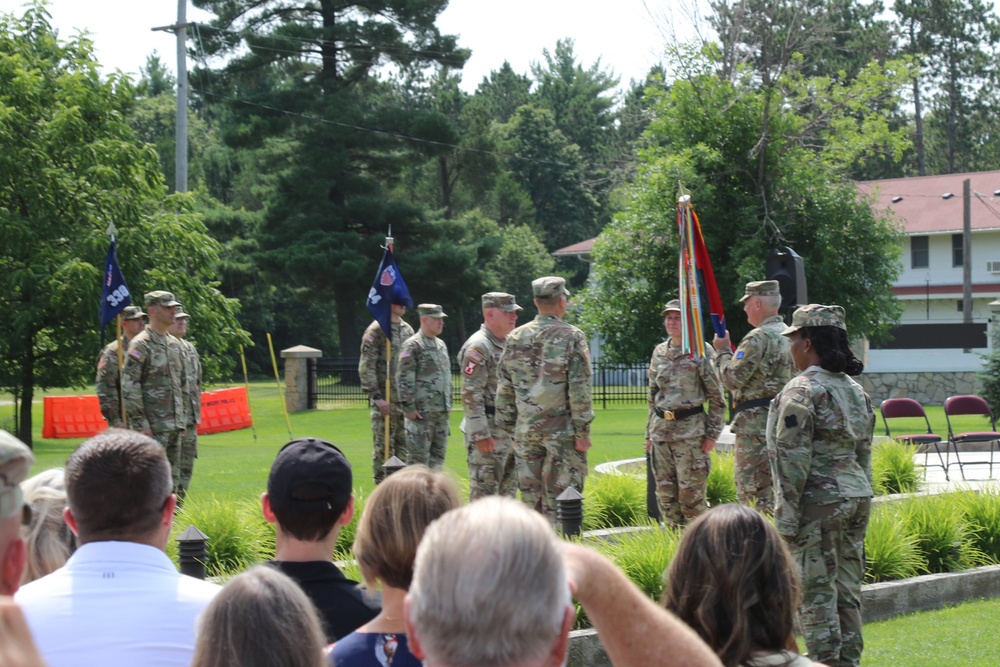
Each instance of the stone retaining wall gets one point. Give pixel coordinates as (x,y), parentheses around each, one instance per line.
(927,388)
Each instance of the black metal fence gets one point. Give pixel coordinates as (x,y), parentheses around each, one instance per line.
(336,381)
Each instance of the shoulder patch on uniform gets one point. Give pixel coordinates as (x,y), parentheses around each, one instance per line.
(135,353)
(370,338)
(791,421)
(404,354)
(470,367)
(475,355)
(102,363)
(739,354)
(586,352)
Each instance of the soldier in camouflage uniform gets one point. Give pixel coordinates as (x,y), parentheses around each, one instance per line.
(372,369)
(679,433)
(819,441)
(491,456)
(108,382)
(192,366)
(155,384)
(424,381)
(544,399)
(755,374)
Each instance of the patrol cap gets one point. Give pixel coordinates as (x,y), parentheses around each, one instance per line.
(179,312)
(761,288)
(15,461)
(548,287)
(161,298)
(309,475)
(501,300)
(132,313)
(673,304)
(430,310)
(816,315)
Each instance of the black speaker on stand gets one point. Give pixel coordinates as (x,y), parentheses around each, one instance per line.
(787,267)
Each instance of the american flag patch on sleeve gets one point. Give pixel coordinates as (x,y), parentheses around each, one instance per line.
(135,353)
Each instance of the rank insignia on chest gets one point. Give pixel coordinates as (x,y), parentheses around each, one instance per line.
(739,354)
(135,353)
(404,354)
(475,355)
(470,367)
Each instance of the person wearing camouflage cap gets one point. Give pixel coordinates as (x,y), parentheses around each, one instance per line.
(819,442)
(423,377)
(192,367)
(544,399)
(680,433)
(155,382)
(755,373)
(489,449)
(108,364)
(15,461)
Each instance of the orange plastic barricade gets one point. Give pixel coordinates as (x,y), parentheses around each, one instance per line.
(224,410)
(72,417)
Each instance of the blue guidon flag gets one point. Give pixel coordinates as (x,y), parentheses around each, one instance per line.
(388,288)
(115,295)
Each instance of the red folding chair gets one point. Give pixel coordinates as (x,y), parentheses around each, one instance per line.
(970,405)
(901,408)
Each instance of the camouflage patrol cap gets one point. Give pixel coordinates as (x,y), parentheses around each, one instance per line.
(161,298)
(501,300)
(132,313)
(430,310)
(179,312)
(673,304)
(816,315)
(15,461)
(761,288)
(548,287)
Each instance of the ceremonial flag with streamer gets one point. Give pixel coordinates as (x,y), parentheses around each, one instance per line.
(388,288)
(697,281)
(115,296)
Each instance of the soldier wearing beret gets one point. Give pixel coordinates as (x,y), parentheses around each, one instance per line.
(757,371)
(15,461)
(372,369)
(679,432)
(155,383)
(192,367)
(491,456)
(544,399)
(424,381)
(108,380)
(819,442)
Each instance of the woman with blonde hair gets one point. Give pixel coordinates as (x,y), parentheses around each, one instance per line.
(391,527)
(48,540)
(260,618)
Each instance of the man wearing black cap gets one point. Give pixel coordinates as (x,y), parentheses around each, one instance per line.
(309,500)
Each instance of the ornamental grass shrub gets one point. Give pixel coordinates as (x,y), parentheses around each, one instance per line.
(238,535)
(944,536)
(982,513)
(721,479)
(346,538)
(893,468)
(890,551)
(611,501)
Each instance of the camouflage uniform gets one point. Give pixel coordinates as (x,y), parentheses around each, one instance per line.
(108,394)
(157,396)
(424,382)
(371,368)
(189,443)
(819,439)
(489,472)
(679,382)
(544,398)
(761,366)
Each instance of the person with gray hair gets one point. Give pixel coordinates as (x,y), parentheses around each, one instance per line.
(513,608)
(49,540)
(15,461)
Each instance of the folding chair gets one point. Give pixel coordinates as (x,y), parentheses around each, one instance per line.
(970,405)
(898,408)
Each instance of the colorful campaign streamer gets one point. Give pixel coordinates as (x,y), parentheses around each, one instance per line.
(696,281)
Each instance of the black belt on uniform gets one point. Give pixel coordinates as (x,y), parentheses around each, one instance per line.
(491,410)
(676,415)
(755,403)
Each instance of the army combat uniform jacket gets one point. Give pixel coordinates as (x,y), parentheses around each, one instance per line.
(155,383)
(108,383)
(679,382)
(478,360)
(371,367)
(192,367)
(423,377)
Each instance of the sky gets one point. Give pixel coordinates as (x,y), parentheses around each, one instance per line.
(627,36)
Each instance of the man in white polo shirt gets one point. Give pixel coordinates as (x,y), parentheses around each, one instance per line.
(119,600)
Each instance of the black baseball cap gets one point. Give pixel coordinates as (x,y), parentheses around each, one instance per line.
(309,475)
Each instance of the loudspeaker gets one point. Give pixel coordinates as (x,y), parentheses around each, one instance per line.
(785,266)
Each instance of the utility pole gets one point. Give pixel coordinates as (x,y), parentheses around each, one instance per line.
(181,145)
(967,251)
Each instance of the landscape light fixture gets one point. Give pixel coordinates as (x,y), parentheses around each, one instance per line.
(947,195)
(996,193)
(897,199)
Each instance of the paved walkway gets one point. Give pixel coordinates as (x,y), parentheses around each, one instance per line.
(976,468)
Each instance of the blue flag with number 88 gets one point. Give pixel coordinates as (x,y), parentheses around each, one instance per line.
(115,295)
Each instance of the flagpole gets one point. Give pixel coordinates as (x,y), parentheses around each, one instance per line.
(387,417)
(121,369)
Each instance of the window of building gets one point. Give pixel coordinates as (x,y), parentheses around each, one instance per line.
(960,308)
(919,255)
(957,255)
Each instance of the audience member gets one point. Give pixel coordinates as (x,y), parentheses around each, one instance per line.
(118,600)
(17,648)
(15,461)
(734,581)
(491,588)
(392,524)
(309,500)
(49,540)
(261,618)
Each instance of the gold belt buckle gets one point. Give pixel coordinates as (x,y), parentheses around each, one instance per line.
(669,415)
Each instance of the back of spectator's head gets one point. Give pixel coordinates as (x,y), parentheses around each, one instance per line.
(734,581)
(49,540)
(394,520)
(309,488)
(15,461)
(118,487)
(489,589)
(260,618)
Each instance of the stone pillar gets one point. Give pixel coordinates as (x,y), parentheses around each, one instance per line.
(297,376)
